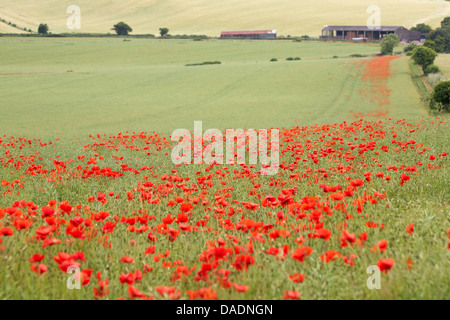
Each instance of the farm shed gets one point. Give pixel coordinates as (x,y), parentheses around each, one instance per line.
(351,32)
(252,34)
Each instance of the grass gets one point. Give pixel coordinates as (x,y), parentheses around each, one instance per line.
(443,62)
(289,17)
(84,86)
(418,80)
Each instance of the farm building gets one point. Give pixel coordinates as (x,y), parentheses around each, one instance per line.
(355,32)
(252,34)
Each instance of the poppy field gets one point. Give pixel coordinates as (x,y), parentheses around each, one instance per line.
(367,186)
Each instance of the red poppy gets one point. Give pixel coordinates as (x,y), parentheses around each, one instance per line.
(297,277)
(39,268)
(126,259)
(291,295)
(385,265)
(36,258)
(135,293)
(410,229)
(382,245)
(6,232)
(330,255)
(301,253)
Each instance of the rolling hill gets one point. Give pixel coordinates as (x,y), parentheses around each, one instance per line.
(289,17)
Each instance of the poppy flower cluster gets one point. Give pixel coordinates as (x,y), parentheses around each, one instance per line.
(137,227)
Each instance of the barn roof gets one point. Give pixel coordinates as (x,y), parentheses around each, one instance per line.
(360,28)
(248,32)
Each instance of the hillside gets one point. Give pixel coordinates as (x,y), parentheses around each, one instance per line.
(5,28)
(289,17)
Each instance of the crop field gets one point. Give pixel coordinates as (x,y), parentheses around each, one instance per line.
(87,180)
(54,85)
(289,17)
(443,61)
(5,28)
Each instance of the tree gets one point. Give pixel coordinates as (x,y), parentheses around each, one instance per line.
(441,95)
(122,29)
(422,28)
(424,56)
(445,23)
(389,43)
(441,37)
(430,44)
(431,69)
(409,47)
(43,28)
(163,31)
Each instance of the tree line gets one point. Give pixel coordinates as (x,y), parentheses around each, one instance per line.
(121,28)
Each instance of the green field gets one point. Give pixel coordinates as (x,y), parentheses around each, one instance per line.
(289,17)
(443,62)
(84,86)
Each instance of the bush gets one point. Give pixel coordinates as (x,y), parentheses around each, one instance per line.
(441,95)
(431,69)
(297,58)
(435,78)
(389,43)
(203,63)
(335,57)
(430,44)
(424,56)
(289,59)
(410,47)
(274,60)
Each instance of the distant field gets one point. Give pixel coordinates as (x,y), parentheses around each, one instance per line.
(5,28)
(289,17)
(443,61)
(81,86)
